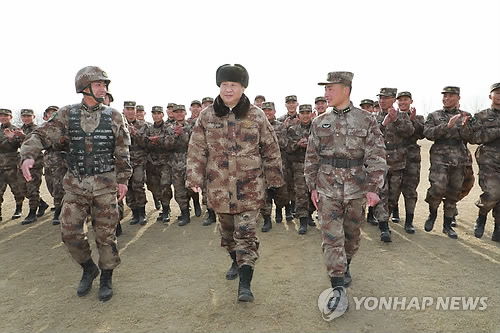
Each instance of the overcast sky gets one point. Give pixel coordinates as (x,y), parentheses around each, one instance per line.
(156,52)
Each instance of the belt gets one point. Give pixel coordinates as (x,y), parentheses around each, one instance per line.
(451,142)
(392,146)
(341,162)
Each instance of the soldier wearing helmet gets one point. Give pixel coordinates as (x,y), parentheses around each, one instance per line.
(98,169)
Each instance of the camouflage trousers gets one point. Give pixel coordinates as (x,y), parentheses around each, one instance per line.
(11,177)
(181,193)
(238,234)
(489,180)
(31,189)
(161,176)
(303,203)
(136,194)
(468,183)
(340,222)
(411,179)
(288,176)
(77,206)
(153,180)
(54,181)
(389,195)
(446,182)
(280,200)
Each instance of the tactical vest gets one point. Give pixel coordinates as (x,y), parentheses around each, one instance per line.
(98,157)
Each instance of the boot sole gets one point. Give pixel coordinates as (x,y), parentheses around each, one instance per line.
(245,298)
(105,299)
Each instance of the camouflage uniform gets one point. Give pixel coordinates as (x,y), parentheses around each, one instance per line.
(92,182)
(345,159)
(55,169)
(9,158)
(160,171)
(136,195)
(484,129)
(237,152)
(394,134)
(448,157)
(32,188)
(296,155)
(281,194)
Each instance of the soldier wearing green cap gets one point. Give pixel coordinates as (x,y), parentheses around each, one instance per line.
(9,158)
(367,104)
(54,169)
(98,168)
(32,189)
(195,109)
(136,195)
(159,171)
(298,136)
(235,148)
(140,113)
(258,100)
(170,114)
(206,101)
(448,156)
(279,195)
(395,127)
(483,129)
(320,105)
(344,169)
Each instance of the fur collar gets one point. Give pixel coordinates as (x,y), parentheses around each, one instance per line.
(240,110)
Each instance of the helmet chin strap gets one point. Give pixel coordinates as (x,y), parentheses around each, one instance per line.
(98,100)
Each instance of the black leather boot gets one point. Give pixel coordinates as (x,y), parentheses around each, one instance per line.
(347,274)
(118,230)
(157,204)
(31,217)
(268,225)
(232,272)
(17,213)
(135,216)
(429,224)
(106,285)
(409,224)
(288,212)
(292,206)
(279,215)
(197,207)
(90,272)
(395,215)
(303,226)
(447,229)
(310,221)
(385,232)
(42,207)
(185,217)
(244,292)
(210,218)
(370,217)
(142,215)
(55,219)
(339,299)
(496,233)
(479,226)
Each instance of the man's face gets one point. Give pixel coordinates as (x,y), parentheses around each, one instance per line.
(450,100)
(305,117)
(404,103)
(179,115)
(270,113)
(291,106)
(336,94)
(205,104)
(495,98)
(48,114)
(195,110)
(5,119)
(157,116)
(99,88)
(321,107)
(107,100)
(129,113)
(367,107)
(27,119)
(258,102)
(170,113)
(386,102)
(140,114)
(231,92)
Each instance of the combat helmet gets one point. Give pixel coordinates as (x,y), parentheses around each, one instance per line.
(87,75)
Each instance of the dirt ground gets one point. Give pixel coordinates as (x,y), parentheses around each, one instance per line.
(172,278)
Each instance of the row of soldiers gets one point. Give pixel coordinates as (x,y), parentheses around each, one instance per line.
(158,157)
